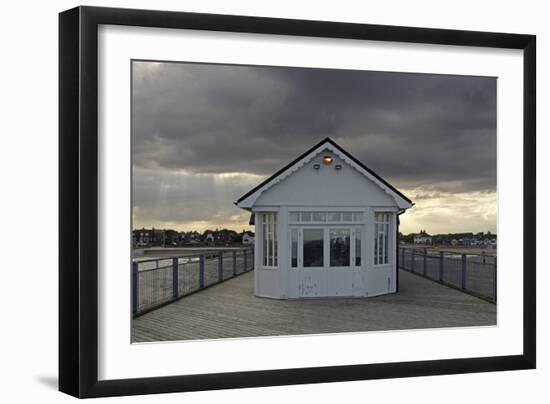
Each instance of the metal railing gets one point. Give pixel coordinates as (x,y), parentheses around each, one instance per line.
(475,274)
(158,281)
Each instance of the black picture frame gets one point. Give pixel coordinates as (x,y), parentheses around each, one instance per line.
(78,201)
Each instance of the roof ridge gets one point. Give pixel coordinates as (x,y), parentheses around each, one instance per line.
(311,150)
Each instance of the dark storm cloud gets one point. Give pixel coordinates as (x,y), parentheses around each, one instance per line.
(413,129)
(184,201)
(203,135)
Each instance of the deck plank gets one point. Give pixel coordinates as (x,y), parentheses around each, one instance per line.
(230,310)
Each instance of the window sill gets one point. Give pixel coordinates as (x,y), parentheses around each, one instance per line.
(388,265)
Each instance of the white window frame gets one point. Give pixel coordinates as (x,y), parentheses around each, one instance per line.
(351,260)
(357,216)
(361,230)
(326,245)
(270,234)
(296,230)
(301,247)
(382,221)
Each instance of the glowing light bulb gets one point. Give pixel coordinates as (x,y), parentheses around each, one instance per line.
(327,160)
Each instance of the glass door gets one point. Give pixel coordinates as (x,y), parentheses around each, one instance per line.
(313,247)
(339,274)
(340,247)
(326,260)
(312,260)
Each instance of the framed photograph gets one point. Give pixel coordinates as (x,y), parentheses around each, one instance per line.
(250,201)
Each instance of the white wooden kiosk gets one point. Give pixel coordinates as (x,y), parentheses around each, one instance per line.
(326,226)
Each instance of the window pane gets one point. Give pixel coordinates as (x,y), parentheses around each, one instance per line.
(275,245)
(358,216)
(294,248)
(333,216)
(357,247)
(347,216)
(319,216)
(294,217)
(386,242)
(306,216)
(375,243)
(313,247)
(339,247)
(269,246)
(380,247)
(269,241)
(264,231)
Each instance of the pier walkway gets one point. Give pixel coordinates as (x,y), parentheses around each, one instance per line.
(230,310)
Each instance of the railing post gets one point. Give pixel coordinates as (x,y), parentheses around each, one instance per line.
(175,277)
(464,271)
(234,263)
(220,267)
(135,287)
(425,264)
(441,263)
(201,272)
(245,254)
(483,256)
(495,281)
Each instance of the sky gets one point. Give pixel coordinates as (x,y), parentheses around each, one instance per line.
(205,134)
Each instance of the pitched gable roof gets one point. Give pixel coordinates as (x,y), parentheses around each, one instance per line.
(247,200)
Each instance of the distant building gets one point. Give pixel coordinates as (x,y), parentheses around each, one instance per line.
(224,236)
(248,238)
(171,238)
(209,237)
(147,237)
(190,238)
(423,238)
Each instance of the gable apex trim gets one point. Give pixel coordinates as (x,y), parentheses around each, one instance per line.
(247,200)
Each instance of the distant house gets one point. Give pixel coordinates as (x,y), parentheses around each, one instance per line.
(141,238)
(190,238)
(490,242)
(225,236)
(423,238)
(325,226)
(171,238)
(248,238)
(208,237)
(147,237)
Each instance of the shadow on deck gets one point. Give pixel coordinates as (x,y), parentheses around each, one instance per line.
(231,310)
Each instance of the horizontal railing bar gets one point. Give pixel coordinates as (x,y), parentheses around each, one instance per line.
(421,250)
(169,257)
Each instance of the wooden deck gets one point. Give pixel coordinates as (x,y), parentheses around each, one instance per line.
(230,310)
